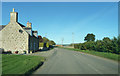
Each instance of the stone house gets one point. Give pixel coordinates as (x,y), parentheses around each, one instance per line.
(17,37)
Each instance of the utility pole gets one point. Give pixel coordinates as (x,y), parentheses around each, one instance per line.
(72,39)
(62,40)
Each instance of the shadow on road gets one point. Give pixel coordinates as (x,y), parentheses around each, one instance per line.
(29,73)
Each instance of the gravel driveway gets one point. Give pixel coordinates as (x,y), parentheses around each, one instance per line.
(46,54)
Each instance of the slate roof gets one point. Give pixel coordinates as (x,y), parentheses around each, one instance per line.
(34,31)
(25,28)
(1,27)
(21,24)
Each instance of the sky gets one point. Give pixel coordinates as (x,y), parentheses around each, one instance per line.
(60,0)
(58,20)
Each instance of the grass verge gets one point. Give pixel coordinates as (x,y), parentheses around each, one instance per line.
(101,54)
(20,64)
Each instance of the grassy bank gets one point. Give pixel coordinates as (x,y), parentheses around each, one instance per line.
(20,64)
(101,54)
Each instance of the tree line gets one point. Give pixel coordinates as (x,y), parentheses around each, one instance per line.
(45,42)
(104,45)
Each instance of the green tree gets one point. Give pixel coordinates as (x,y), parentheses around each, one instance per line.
(107,44)
(45,40)
(51,42)
(114,46)
(89,37)
(118,42)
(106,39)
(99,46)
(40,38)
(90,45)
(47,45)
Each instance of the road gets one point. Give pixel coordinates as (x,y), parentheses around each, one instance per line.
(64,61)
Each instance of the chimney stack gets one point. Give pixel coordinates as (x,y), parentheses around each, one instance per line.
(13,16)
(29,25)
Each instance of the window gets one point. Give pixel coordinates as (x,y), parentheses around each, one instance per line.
(20,31)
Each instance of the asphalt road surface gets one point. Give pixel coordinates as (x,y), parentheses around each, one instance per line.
(63,61)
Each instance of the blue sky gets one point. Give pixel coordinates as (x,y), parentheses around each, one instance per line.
(59,19)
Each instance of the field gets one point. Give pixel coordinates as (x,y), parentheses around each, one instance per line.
(20,64)
(101,54)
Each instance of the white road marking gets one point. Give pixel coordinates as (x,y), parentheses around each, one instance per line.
(94,69)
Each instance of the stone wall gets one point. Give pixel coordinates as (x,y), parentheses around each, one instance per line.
(33,43)
(14,38)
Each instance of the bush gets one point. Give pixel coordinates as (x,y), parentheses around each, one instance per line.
(47,45)
(16,52)
(41,44)
(8,52)
(105,45)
